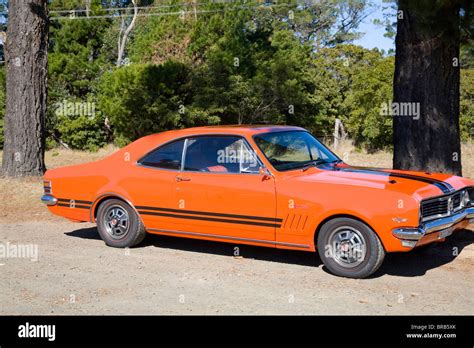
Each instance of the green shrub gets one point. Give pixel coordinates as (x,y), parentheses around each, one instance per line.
(82,132)
(142,99)
(371,88)
(466,117)
(75,122)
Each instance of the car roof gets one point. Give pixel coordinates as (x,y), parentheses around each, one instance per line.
(235,129)
(140,147)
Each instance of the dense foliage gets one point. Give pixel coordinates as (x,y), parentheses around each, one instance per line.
(467,104)
(225,63)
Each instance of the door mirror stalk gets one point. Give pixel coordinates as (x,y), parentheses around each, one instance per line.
(265,173)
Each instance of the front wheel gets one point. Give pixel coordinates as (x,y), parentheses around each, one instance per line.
(119,225)
(349,248)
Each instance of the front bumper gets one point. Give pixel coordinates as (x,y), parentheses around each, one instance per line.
(434,230)
(49,200)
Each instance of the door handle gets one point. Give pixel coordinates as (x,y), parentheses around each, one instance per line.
(181,178)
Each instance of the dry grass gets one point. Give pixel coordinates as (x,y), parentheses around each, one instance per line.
(19,198)
(468,160)
(63,157)
(383,159)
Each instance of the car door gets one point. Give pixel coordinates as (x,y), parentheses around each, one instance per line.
(152,182)
(220,191)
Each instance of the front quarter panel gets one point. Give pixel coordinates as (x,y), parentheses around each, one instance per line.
(306,205)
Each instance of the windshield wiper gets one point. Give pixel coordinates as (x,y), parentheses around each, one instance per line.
(313,163)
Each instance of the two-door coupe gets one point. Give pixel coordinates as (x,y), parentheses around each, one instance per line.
(273,186)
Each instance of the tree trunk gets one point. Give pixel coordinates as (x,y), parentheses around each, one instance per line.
(195,10)
(123,39)
(427,72)
(26,79)
(339,133)
(88,7)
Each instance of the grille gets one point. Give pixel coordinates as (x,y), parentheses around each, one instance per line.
(434,208)
(440,206)
(457,200)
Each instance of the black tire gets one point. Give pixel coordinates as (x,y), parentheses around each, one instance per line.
(368,253)
(120,234)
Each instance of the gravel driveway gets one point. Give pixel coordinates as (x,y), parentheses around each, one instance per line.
(77,274)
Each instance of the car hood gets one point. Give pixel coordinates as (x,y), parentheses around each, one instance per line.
(420,185)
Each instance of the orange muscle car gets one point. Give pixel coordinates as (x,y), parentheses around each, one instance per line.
(274,186)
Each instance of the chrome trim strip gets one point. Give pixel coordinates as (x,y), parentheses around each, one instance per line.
(226,173)
(416,233)
(49,200)
(303,246)
(183,154)
(449,221)
(408,233)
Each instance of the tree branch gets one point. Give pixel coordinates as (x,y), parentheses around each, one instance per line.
(123,39)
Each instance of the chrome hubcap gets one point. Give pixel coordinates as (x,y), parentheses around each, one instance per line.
(347,246)
(116,221)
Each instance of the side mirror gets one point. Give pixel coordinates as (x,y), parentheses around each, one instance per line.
(264,172)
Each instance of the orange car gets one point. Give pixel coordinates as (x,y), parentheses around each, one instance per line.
(274,186)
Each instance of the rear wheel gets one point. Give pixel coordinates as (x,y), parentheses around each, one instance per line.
(119,225)
(349,248)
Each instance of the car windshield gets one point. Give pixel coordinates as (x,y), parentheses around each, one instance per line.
(293,150)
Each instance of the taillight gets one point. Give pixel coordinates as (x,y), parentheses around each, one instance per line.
(48,189)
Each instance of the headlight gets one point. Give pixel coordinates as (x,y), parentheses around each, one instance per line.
(470,196)
(465,202)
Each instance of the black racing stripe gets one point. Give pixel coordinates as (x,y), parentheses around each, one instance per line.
(73,200)
(440,184)
(449,186)
(410,176)
(205,213)
(445,188)
(241,222)
(75,206)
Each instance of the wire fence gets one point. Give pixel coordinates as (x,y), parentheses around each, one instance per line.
(151,10)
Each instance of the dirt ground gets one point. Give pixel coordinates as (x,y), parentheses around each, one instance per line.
(75,273)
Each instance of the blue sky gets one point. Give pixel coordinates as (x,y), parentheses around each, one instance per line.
(373,34)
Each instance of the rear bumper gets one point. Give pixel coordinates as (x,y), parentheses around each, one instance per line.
(434,230)
(49,200)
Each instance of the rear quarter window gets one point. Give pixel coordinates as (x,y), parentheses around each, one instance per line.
(167,156)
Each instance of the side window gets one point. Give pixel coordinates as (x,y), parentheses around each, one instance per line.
(220,154)
(248,159)
(166,157)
